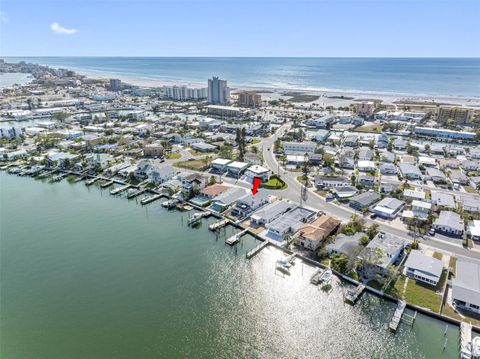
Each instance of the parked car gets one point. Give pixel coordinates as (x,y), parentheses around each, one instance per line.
(431,231)
(373,216)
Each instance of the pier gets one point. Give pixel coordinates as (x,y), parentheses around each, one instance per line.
(397,316)
(107,184)
(134,193)
(120,189)
(150,199)
(235,238)
(197,217)
(91,181)
(218,225)
(352,295)
(465,340)
(170,203)
(250,254)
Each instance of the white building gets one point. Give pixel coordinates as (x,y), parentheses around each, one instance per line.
(466,286)
(423,268)
(299,147)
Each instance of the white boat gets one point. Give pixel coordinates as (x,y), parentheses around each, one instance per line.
(195,218)
(326,276)
(476,347)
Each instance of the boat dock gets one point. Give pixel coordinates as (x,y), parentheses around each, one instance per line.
(135,193)
(197,217)
(352,295)
(465,340)
(170,203)
(58,178)
(91,181)
(218,225)
(250,254)
(397,316)
(150,199)
(235,238)
(120,189)
(107,184)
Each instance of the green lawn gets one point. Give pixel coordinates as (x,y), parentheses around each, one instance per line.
(438,255)
(173,156)
(274,183)
(196,165)
(255,141)
(376,127)
(396,289)
(453,264)
(425,295)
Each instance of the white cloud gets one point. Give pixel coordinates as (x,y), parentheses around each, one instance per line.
(59,29)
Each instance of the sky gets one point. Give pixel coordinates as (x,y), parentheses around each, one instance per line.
(317,28)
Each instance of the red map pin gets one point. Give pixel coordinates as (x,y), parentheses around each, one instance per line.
(256,184)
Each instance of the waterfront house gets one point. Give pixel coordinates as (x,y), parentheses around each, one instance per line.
(449,223)
(192,182)
(158,175)
(348,245)
(466,286)
(249,203)
(383,250)
(311,235)
(223,201)
(60,159)
(388,207)
(270,212)
(364,200)
(289,223)
(423,268)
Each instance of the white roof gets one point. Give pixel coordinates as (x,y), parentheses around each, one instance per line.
(364,163)
(466,284)
(237,164)
(474,228)
(221,161)
(257,169)
(421,204)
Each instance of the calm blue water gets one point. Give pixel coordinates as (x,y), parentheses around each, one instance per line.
(420,76)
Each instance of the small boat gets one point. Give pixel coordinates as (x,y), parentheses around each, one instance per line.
(476,347)
(195,218)
(326,276)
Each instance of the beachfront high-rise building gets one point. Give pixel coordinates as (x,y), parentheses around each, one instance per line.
(218,91)
(115,84)
(249,99)
(364,108)
(455,114)
(183,93)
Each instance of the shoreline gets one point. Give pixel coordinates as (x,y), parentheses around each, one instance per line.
(327,97)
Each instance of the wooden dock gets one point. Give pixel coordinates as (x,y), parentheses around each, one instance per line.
(352,295)
(465,340)
(397,316)
(218,224)
(135,193)
(235,238)
(150,199)
(197,217)
(91,181)
(120,189)
(107,184)
(252,253)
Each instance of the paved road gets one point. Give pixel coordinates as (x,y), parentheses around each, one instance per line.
(344,213)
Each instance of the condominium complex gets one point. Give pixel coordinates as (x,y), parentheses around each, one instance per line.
(249,99)
(218,91)
(182,93)
(457,114)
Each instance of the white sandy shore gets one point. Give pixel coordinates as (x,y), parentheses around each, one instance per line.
(325,98)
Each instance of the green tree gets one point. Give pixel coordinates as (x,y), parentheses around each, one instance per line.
(339,263)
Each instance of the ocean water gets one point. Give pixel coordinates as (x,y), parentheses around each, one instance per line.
(457,77)
(88,275)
